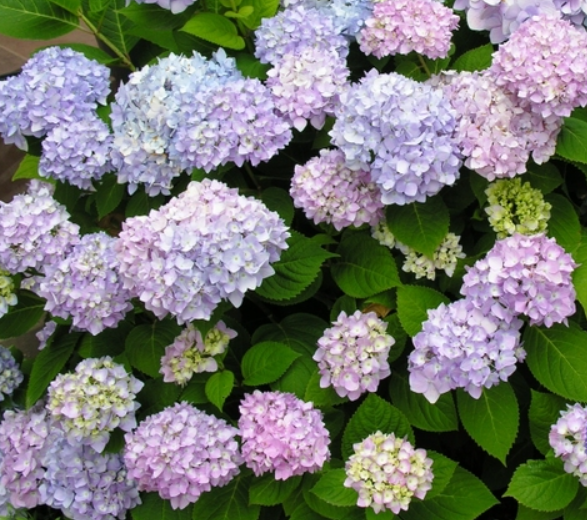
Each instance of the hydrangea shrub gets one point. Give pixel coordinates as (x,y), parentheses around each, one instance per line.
(298,259)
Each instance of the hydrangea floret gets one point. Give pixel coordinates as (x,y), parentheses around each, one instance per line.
(44,335)
(403,131)
(94,400)
(404,26)
(35,230)
(8,297)
(328,191)
(283,434)
(529,275)
(175,6)
(388,472)
(86,285)
(206,245)
(514,206)
(86,485)
(191,354)
(568,437)
(461,346)
(181,453)
(10,375)
(383,234)
(352,354)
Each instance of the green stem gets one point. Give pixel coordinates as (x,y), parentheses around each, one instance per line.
(424,66)
(94,30)
(251,175)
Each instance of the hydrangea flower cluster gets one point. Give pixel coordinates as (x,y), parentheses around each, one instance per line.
(514,206)
(383,234)
(462,346)
(8,297)
(445,258)
(23,441)
(191,354)
(328,191)
(35,230)
(181,453)
(530,275)
(77,153)
(387,472)
(56,87)
(10,374)
(147,110)
(86,485)
(97,398)
(403,26)
(236,121)
(208,244)
(175,6)
(495,134)
(567,438)
(407,127)
(573,10)
(352,354)
(543,65)
(282,433)
(86,286)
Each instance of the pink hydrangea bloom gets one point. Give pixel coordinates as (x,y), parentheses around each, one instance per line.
(568,438)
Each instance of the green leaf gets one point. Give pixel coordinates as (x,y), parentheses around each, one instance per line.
(443,469)
(525,513)
(279,200)
(48,363)
(321,397)
(572,140)
(409,67)
(35,19)
(261,9)
(109,194)
(195,391)
(153,507)
(152,16)
(439,417)
(22,317)
(492,420)
(543,177)
(413,303)
(145,345)
(543,485)
(475,59)
(365,267)
(479,184)
(251,67)
(396,331)
(215,28)
(29,169)
(266,362)
(464,498)
(218,387)
(331,489)
(230,502)
(382,515)
(303,512)
(157,395)
(545,410)
(297,377)
(69,5)
(266,491)
(344,303)
(420,225)
(109,342)
(296,269)
(374,414)
(556,358)
(563,224)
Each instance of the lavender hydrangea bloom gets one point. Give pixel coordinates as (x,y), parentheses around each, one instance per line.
(148,109)
(56,86)
(191,354)
(97,398)
(567,438)
(10,374)
(282,433)
(208,244)
(530,275)
(387,472)
(181,453)
(175,6)
(573,10)
(543,65)
(462,346)
(306,85)
(328,191)
(86,285)
(77,153)
(404,26)
(236,121)
(86,485)
(23,441)
(7,296)
(34,230)
(495,133)
(407,127)
(352,354)
(295,28)
(45,333)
